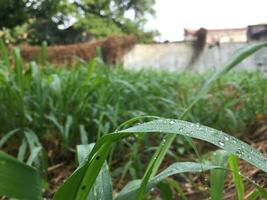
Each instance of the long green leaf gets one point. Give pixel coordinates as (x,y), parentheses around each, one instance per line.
(18,180)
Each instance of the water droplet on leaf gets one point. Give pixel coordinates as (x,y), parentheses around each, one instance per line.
(221,143)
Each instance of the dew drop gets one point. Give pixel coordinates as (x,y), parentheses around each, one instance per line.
(221,143)
(181,128)
(239,152)
(226,138)
(172,122)
(200,128)
(83,187)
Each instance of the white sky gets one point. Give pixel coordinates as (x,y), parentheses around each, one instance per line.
(174,15)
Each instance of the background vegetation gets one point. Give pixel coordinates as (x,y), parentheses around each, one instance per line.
(72,21)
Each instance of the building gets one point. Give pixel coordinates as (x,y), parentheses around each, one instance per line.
(257,32)
(219,35)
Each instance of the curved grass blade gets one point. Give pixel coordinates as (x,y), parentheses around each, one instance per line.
(237,58)
(130,190)
(18,180)
(213,136)
(82,180)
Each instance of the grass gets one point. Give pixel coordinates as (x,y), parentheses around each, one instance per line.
(85,103)
(98,98)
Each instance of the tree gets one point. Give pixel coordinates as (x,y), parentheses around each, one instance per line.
(12,13)
(54,20)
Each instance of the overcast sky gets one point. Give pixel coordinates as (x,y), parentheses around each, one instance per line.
(174,15)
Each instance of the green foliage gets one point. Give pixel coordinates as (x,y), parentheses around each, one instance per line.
(18,180)
(97,98)
(97,18)
(12,13)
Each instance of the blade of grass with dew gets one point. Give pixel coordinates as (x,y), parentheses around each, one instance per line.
(85,176)
(218,175)
(238,57)
(18,180)
(237,179)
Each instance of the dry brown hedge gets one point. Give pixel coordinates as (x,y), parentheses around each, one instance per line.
(112,47)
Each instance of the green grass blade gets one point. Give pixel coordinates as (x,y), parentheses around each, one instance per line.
(254,195)
(83,134)
(18,69)
(213,136)
(6,137)
(44,53)
(22,150)
(4,54)
(238,181)
(102,188)
(129,192)
(218,175)
(18,180)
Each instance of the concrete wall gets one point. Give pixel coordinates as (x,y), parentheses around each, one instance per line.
(176,56)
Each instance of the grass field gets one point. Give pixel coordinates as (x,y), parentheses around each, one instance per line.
(47,110)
